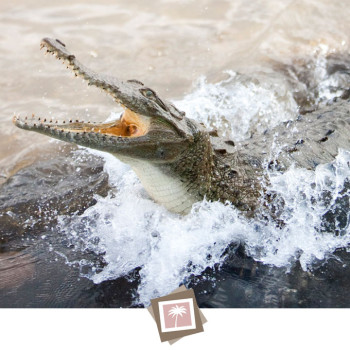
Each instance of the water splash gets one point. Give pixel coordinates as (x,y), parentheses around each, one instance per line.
(240,106)
(129,230)
(133,231)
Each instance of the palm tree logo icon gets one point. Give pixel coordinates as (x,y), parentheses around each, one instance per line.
(177,311)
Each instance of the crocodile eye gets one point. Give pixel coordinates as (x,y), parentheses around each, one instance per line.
(150,94)
(147,93)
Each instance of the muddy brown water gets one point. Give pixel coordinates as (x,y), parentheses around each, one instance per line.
(168,45)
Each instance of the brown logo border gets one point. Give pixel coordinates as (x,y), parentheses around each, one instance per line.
(180,293)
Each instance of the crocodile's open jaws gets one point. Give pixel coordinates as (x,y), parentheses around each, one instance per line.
(176,159)
(149,134)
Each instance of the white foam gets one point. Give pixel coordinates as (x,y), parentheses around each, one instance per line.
(240,106)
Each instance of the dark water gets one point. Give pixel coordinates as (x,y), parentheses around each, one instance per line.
(34,275)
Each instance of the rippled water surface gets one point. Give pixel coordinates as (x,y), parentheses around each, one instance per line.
(77,227)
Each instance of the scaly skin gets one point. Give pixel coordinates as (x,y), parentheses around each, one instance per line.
(178,161)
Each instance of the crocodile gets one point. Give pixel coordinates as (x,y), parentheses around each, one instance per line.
(180,162)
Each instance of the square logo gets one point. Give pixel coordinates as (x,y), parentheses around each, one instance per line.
(177,315)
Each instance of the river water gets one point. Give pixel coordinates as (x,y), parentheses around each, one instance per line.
(78,229)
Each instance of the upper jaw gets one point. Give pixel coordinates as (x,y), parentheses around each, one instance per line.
(132,94)
(126,93)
